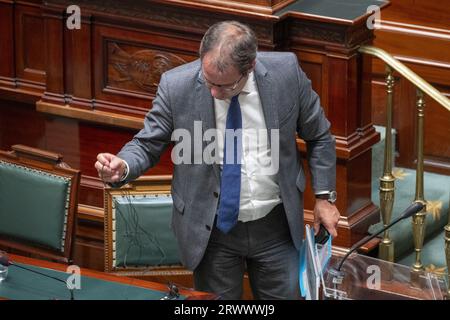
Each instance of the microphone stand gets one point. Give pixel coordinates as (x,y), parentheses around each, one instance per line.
(45,275)
(337,274)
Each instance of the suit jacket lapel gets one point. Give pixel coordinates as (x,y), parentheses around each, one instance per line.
(265,89)
(205,110)
(205,105)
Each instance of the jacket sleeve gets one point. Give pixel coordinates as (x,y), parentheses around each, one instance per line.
(314,128)
(146,147)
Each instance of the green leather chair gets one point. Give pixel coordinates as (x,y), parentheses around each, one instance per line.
(138,238)
(38,201)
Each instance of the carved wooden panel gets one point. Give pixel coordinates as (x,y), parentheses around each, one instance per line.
(135,69)
(317,31)
(129,65)
(148,12)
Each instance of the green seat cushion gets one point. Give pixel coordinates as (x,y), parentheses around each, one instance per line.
(142,232)
(433,252)
(33,205)
(436,188)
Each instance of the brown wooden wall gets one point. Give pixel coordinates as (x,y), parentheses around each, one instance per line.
(418,34)
(81,92)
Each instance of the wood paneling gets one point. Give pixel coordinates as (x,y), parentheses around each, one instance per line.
(434,14)
(417,33)
(20,124)
(22,70)
(7,69)
(437,122)
(29,38)
(54,51)
(314,66)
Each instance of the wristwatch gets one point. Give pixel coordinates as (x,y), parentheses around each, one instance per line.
(329,196)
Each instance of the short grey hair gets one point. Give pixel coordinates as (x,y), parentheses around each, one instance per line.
(235,43)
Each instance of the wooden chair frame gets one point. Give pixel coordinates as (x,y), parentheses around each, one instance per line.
(49,163)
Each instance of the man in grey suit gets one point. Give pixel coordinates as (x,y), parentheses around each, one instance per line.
(230,213)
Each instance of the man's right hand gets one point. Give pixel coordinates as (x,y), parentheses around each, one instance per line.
(110,168)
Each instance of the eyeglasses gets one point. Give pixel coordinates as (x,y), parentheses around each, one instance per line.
(225,87)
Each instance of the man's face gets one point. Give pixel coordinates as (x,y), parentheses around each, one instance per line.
(222,85)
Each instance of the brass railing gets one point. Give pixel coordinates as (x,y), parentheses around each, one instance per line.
(421,84)
(387,181)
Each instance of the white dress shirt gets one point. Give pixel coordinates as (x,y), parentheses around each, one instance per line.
(260,192)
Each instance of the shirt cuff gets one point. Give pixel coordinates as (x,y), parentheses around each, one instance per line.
(125,173)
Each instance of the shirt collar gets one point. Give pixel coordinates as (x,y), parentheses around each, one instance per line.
(250,84)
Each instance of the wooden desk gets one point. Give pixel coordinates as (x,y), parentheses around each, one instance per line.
(129,284)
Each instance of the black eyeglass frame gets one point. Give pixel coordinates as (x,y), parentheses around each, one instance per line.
(226,87)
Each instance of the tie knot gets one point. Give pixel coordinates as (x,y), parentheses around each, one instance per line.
(235,99)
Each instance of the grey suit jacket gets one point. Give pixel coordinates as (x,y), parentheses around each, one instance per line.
(289,104)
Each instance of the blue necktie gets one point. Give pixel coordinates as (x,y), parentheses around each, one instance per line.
(230,187)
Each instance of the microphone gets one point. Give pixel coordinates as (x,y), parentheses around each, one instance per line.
(173,293)
(411,210)
(6,262)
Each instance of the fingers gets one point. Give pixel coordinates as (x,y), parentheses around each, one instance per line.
(114,177)
(328,215)
(105,158)
(116,164)
(109,167)
(316,224)
(332,222)
(332,230)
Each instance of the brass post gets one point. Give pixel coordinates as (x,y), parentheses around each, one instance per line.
(418,220)
(387,181)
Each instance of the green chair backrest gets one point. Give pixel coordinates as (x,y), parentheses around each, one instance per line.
(141,234)
(33,205)
(38,203)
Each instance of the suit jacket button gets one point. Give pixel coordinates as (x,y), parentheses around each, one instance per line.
(215,194)
(208,227)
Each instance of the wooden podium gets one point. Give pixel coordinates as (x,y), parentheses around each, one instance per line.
(91,87)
